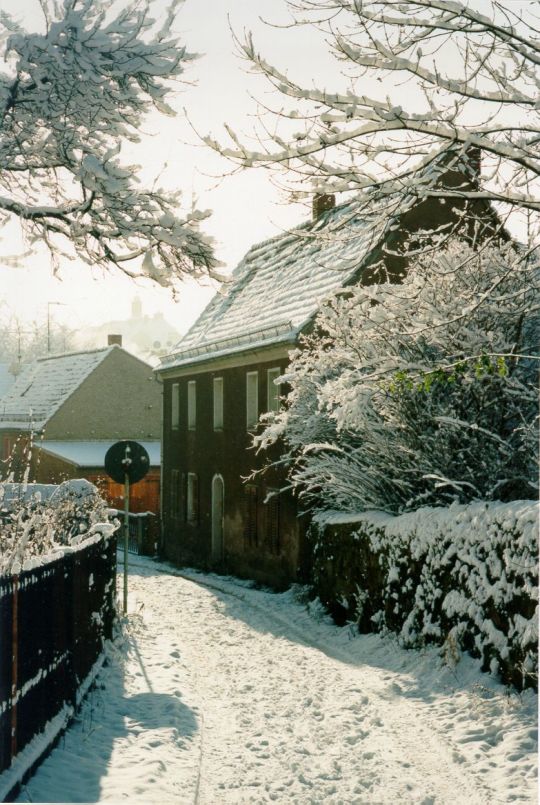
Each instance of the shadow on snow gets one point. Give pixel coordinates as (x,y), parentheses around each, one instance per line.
(108,716)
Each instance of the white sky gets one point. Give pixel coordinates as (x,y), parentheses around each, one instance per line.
(246,207)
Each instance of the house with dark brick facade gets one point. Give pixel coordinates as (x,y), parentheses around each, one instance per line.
(64,411)
(217,510)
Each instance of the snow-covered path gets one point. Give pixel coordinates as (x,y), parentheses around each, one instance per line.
(227,694)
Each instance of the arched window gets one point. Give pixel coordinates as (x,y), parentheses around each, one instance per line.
(218,490)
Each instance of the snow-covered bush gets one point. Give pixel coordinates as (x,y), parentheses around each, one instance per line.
(465,577)
(419,393)
(38,520)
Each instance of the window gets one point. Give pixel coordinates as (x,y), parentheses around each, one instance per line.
(252,399)
(175,406)
(272,390)
(218,403)
(250,515)
(192,509)
(272,520)
(192,404)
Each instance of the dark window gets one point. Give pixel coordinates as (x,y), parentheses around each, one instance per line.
(175,493)
(250,515)
(272,521)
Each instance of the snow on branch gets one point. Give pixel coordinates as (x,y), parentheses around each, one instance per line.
(69,98)
(418,77)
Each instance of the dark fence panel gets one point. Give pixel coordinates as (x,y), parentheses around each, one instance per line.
(43,648)
(6,620)
(53,623)
(93,597)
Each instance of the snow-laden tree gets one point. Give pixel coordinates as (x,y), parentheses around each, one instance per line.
(70,97)
(24,341)
(420,393)
(418,77)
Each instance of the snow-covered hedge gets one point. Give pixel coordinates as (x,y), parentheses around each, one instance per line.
(465,577)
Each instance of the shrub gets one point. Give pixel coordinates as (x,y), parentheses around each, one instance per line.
(420,393)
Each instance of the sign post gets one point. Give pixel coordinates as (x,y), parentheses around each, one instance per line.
(126,538)
(126,463)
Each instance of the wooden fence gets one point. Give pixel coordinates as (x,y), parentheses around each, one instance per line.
(54,621)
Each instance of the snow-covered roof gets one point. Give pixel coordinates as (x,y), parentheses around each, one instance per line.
(7,379)
(92,453)
(279,285)
(44,385)
(277,288)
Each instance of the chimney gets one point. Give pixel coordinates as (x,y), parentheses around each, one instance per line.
(473,163)
(460,164)
(322,202)
(114,339)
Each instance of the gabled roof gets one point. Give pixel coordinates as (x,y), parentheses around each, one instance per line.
(44,385)
(278,287)
(280,284)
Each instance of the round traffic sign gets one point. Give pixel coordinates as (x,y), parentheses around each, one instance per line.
(126,458)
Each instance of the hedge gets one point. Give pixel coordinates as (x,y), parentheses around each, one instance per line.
(463,577)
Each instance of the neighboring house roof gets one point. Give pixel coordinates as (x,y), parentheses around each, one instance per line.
(92,454)
(44,385)
(280,284)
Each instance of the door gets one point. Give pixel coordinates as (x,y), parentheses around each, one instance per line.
(217,519)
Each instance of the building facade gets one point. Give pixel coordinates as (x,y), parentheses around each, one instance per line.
(218,509)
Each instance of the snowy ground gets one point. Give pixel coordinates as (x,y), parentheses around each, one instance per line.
(221,693)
